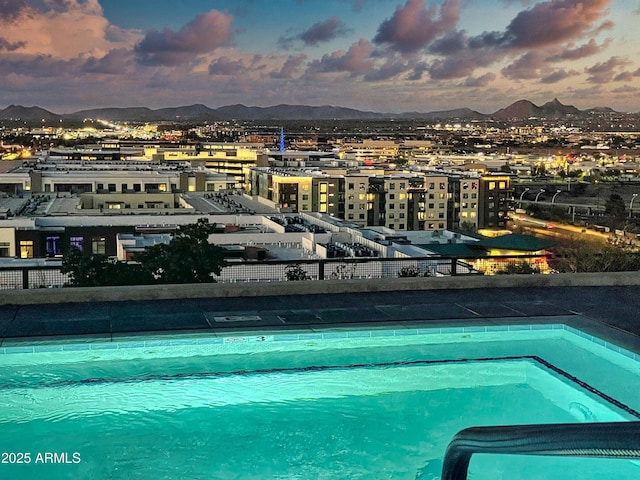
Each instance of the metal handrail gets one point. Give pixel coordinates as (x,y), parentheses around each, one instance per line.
(604,440)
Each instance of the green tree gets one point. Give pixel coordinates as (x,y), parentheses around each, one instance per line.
(187,258)
(296,272)
(518,268)
(615,206)
(87,270)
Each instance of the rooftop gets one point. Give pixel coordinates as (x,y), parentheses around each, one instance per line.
(605,305)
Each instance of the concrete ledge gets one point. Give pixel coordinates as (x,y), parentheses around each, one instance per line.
(225,290)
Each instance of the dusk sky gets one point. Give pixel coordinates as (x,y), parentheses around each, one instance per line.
(379,55)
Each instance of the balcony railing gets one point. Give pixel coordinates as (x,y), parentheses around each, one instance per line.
(50,276)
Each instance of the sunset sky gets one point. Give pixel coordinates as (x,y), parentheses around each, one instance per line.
(379,55)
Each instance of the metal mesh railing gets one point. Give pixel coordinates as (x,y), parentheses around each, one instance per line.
(313,269)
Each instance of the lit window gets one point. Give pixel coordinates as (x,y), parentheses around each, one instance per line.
(76,242)
(52,246)
(99,245)
(26,248)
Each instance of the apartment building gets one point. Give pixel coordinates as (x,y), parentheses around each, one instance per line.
(124,176)
(399,201)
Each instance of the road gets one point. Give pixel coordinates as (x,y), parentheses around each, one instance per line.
(557,230)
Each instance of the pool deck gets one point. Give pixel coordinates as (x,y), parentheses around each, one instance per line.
(601,305)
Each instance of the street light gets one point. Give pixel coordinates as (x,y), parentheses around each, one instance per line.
(558,192)
(522,194)
(631,204)
(542,190)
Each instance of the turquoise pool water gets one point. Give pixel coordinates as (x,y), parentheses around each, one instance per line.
(359,404)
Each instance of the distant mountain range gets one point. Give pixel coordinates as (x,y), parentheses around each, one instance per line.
(518,111)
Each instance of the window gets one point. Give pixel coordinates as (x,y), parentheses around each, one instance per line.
(323,187)
(392,186)
(305,197)
(402,185)
(441,215)
(401,226)
(26,248)
(474,195)
(442,196)
(352,186)
(98,245)
(441,225)
(362,216)
(432,186)
(392,206)
(52,246)
(323,198)
(401,216)
(465,205)
(503,185)
(362,186)
(362,196)
(443,186)
(432,205)
(492,185)
(465,196)
(392,196)
(350,206)
(441,205)
(112,187)
(100,186)
(136,187)
(350,216)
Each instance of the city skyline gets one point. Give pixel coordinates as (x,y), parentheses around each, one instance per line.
(377,55)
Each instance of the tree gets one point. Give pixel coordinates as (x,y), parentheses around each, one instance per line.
(296,272)
(87,270)
(615,206)
(187,258)
(518,268)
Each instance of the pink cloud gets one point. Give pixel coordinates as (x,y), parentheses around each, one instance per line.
(356,60)
(413,27)
(203,34)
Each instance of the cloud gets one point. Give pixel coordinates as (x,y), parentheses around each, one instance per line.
(412,27)
(623,77)
(355,60)
(462,64)
(225,66)
(604,72)
(558,76)
(11,10)
(391,68)
(553,22)
(586,50)
(481,81)
(62,29)
(525,67)
(319,32)
(205,33)
(323,31)
(10,46)
(290,67)
(116,62)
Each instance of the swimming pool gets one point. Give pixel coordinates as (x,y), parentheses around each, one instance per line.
(357,404)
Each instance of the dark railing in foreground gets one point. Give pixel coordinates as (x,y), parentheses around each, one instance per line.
(603,440)
(49,276)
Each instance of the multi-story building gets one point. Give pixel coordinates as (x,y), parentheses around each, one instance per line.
(400,201)
(77,176)
(495,201)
